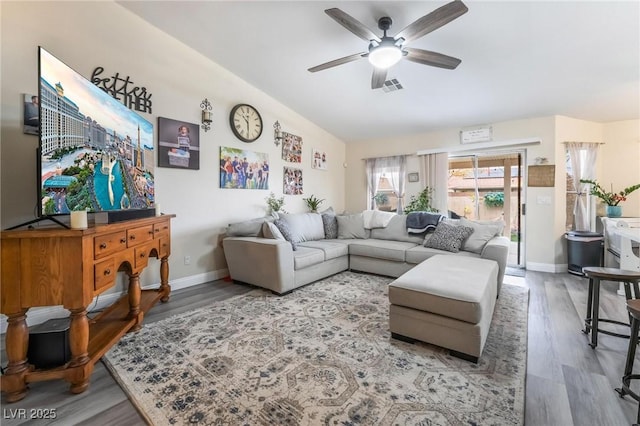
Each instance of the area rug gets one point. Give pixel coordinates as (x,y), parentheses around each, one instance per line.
(321,355)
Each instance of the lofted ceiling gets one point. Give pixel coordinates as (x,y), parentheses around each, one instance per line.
(520,59)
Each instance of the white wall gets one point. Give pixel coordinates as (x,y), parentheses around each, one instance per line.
(89,34)
(619,161)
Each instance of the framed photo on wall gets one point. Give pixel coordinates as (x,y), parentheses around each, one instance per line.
(413,177)
(291,148)
(318,159)
(292,181)
(178,144)
(31,121)
(243,169)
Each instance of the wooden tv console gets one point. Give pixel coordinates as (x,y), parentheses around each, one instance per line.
(69,267)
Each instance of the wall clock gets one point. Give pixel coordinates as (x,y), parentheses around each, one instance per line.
(245,122)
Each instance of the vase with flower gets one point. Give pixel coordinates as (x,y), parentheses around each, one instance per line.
(610,198)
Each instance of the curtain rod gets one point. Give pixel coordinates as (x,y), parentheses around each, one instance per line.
(595,143)
(412,154)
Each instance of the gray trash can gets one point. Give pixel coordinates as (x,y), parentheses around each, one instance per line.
(584,248)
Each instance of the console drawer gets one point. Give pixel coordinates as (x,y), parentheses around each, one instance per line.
(104,245)
(104,274)
(140,235)
(161,229)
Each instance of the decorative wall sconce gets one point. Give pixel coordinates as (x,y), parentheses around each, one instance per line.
(277,133)
(206,114)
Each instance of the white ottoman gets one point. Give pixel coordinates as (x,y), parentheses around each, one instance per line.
(447,301)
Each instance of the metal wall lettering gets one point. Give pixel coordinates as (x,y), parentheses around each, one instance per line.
(123,89)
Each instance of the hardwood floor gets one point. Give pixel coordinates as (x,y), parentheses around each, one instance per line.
(568,383)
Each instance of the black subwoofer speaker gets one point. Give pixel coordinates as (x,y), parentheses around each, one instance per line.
(49,344)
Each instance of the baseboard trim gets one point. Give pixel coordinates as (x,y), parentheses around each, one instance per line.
(548,267)
(39,315)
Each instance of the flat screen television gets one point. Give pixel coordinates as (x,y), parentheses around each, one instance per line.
(94,154)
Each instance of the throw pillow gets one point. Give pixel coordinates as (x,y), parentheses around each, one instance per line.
(283,227)
(482,233)
(330,224)
(448,237)
(270,230)
(351,226)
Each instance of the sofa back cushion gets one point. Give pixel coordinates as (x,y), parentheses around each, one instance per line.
(304,226)
(396,230)
(483,231)
(351,226)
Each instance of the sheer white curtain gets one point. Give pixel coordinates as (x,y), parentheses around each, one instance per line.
(394,168)
(434,173)
(583,157)
(373,178)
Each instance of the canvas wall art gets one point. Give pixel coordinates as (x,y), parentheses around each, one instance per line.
(318,159)
(292,180)
(291,148)
(178,144)
(243,169)
(31,121)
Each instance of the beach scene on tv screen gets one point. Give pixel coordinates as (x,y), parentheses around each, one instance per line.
(95,153)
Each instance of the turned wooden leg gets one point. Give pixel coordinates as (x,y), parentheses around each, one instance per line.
(79,345)
(134,301)
(17,341)
(165,289)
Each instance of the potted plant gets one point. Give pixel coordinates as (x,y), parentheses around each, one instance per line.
(275,204)
(313,203)
(421,203)
(610,198)
(381,199)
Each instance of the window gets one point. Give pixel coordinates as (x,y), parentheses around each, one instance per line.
(580,158)
(385,177)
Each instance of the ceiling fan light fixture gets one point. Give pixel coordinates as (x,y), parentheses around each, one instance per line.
(385,55)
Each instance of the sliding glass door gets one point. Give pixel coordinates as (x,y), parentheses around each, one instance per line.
(489,186)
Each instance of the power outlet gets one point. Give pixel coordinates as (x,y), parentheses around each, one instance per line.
(187,260)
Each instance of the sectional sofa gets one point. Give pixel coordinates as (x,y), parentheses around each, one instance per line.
(316,245)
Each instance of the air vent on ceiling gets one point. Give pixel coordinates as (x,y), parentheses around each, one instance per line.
(391,85)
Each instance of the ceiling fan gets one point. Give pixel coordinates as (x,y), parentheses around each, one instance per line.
(386,51)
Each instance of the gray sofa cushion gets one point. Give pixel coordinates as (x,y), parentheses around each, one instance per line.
(396,230)
(483,231)
(351,226)
(448,237)
(419,254)
(380,249)
(270,230)
(304,257)
(304,226)
(332,249)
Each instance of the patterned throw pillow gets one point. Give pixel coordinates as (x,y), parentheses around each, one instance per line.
(286,232)
(330,224)
(448,237)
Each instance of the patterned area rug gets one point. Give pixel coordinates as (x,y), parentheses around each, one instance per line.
(321,355)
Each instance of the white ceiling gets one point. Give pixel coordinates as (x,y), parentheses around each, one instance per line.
(520,59)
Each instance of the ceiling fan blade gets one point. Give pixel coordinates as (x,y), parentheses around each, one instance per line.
(352,24)
(434,59)
(337,62)
(378,78)
(432,21)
